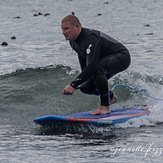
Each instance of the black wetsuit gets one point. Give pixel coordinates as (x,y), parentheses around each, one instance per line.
(100,57)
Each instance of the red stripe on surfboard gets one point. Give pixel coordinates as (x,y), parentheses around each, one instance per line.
(128,115)
(112,117)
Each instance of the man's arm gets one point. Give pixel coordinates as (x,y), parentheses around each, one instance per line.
(82,62)
(92,46)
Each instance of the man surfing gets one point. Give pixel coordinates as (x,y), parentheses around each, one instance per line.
(100,57)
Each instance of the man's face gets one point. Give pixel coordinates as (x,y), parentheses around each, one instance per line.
(69,31)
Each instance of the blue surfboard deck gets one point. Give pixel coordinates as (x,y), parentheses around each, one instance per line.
(116,116)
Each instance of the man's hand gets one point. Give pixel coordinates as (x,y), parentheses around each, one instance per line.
(68,90)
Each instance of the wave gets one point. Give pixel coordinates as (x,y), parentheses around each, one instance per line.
(42,87)
(68,69)
(150,85)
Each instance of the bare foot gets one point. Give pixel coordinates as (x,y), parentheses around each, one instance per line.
(102,110)
(114,100)
(105,109)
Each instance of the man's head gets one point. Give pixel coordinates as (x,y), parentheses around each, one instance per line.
(71,27)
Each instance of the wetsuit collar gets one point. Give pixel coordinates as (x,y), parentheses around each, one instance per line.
(78,38)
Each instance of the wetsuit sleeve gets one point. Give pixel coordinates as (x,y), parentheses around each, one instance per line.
(82,62)
(92,44)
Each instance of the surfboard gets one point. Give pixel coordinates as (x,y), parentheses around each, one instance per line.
(116,116)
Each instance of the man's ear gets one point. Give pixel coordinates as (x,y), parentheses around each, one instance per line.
(77,25)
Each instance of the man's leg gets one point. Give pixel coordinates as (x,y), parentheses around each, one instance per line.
(98,84)
(108,98)
(107,68)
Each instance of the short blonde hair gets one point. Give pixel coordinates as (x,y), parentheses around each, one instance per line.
(72,19)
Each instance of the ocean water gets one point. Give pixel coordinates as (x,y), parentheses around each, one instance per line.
(39,63)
